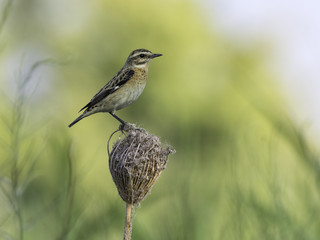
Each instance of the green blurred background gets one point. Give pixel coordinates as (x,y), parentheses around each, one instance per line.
(243,168)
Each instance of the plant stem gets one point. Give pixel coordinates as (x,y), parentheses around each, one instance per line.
(128,224)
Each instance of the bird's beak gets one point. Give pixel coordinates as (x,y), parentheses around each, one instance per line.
(156,55)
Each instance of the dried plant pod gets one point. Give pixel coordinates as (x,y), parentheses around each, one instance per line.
(136,162)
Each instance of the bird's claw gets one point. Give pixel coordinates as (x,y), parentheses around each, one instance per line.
(126,127)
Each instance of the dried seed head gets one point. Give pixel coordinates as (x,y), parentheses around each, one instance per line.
(136,162)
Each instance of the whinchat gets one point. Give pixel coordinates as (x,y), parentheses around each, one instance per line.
(123,89)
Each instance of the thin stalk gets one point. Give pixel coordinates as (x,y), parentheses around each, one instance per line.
(17,121)
(128,224)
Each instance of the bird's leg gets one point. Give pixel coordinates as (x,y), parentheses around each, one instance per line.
(119,119)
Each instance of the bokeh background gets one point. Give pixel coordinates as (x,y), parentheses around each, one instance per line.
(246,165)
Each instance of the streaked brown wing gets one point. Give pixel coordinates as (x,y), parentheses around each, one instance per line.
(113,85)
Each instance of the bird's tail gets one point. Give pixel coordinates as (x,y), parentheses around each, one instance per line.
(77,120)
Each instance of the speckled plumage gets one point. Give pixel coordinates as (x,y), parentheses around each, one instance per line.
(123,89)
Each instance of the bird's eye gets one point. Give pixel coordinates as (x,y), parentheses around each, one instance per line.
(142,55)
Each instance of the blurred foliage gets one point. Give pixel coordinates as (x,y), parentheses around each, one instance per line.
(243,169)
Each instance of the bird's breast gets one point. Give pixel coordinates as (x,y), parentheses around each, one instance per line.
(129,92)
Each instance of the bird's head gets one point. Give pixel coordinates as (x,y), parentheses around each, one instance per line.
(141,58)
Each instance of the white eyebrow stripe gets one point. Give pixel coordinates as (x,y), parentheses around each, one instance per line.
(138,53)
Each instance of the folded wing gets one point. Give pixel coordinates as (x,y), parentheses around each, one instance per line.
(113,85)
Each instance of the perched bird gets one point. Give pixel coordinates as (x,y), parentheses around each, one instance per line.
(123,89)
